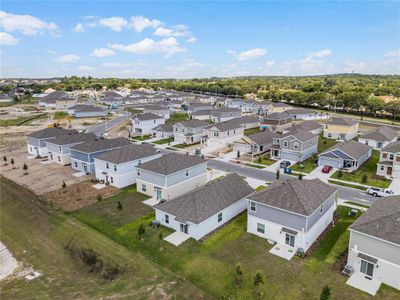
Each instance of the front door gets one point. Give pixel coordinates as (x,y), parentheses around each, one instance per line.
(106,178)
(389,170)
(158,194)
(367,268)
(85,168)
(289,240)
(184,228)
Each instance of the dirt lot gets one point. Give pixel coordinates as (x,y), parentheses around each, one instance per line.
(78,195)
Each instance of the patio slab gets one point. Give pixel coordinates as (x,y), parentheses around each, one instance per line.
(79,174)
(151,202)
(358,281)
(177,238)
(283,251)
(46,162)
(30,156)
(99,186)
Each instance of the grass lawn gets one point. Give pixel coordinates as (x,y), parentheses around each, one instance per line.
(265,160)
(135,110)
(210,264)
(183,146)
(308,165)
(20,120)
(164,141)
(255,166)
(37,234)
(324,143)
(357,204)
(349,185)
(368,169)
(177,117)
(59,115)
(142,138)
(251,131)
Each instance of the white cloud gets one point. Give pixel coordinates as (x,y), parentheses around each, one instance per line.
(192,40)
(269,63)
(176,31)
(79,27)
(114,23)
(25,24)
(139,23)
(7,39)
(318,54)
(394,53)
(68,58)
(102,52)
(248,54)
(51,52)
(167,46)
(113,65)
(86,68)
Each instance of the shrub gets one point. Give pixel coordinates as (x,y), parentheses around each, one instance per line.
(119,206)
(99,197)
(277,174)
(364,179)
(340,174)
(300,176)
(64,185)
(325,293)
(141,231)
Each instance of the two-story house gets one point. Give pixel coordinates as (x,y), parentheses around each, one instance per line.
(158,110)
(247,122)
(295,145)
(118,167)
(225,114)
(291,213)
(199,106)
(256,143)
(171,175)
(163,131)
(36,141)
(340,128)
(83,154)
(189,132)
(87,111)
(59,148)
(206,208)
(348,155)
(201,115)
(389,161)
(277,107)
(374,246)
(307,114)
(277,122)
(379,138)
(249,106)
(234,103)
(311,126)
(224,133)
(144,124)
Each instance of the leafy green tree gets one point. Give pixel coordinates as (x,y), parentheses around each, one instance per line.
(238,274)
(300,176)
(258,280)
(12,162)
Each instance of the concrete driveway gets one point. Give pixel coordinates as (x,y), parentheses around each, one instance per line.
(275,165)
(317,173)
(395,186)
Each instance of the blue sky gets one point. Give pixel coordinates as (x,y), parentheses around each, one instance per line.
(185,39)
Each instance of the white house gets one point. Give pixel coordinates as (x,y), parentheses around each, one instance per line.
(206,208)
(118,167)
(379,138)
(225,114)
(144,124)
(224,133)
(158,110)
(374,246)
(307,114)
(343,129)
(201,115)
(163,131)
(189,132)
(171,175)
(291,213)
(389,161)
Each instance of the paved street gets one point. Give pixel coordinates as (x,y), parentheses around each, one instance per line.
(100,129)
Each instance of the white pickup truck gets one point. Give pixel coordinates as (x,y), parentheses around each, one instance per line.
(378,192)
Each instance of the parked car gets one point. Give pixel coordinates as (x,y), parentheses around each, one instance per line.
(378,192)
(326,169)
(284,164)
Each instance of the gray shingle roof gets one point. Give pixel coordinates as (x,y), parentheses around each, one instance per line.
(72,137)
(393,147)
(202,112)
(148,116)
(383,133)
(206,201)
(308,125)
(246,119)
(342,121)
(299,134)
(381,220)
(128,153)
(263,137)
(54,96)
(100,144)
(194,123)
(301,111)
(298,196)
(155,107)
(227,125)
(50,132)
(352,148)
(86,108)
(172,163)
(164,128)
(278,116)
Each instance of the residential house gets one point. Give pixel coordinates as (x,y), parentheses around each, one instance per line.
(189,132)
(118,167)
(163,131)
(292,213)
(83,154)
(343,129)
(379,138)
(311,126)
(201,115)
(4,98)
(171,175)
(58,100)
(59,148)
(249,106)
(277,107)
(36,141)
(255,144)
(224,133)
(87,111)
(234,103)
(347,155)
(144,124)
(158,110)
(295,145)
(225,114)
(247,122)
(277,122)
(389,161)
(307,114)
(206,208)
(374,246)
(193,107)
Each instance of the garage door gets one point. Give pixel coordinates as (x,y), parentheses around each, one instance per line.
(290,156)
(328,161)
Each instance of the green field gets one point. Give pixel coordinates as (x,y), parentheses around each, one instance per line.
(164,141)
(37,235)
(142,138)
(21,120)
(368,169)
(183,146)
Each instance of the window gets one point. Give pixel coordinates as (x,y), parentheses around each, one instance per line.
(382,168)
(138,172)
(321,209)
(228,132)
(391,156)
(107,166)
(234,131)
(366,142)
(329,135)
(296,145)
(76,164)
(139,162)
(252,206)
(59,159)
(115,167)
(219,217)
(31,149)
(187,172)
(59,148)
(112,180)
(143,187)
(167,219)
(260,228)
(285,144)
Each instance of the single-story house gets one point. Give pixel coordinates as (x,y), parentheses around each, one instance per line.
(347,155)
(83,154)
(311,126)
(163,131)
(87,111)
(118,167)
(374,245)
(144,124)
(389,161)
(225,114)
(189,132)
(379,138)
(206,208)
(36,141)
(58,100)
(277,122)
(340,128)
(59,148)
(254,144)
(171,175)
(307,114)
(224,133)
(292,212)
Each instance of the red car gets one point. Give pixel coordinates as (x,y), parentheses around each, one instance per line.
(326,169)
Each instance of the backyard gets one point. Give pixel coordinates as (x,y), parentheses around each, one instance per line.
(324,143)
(251,131)
(177,117)
(366,171)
